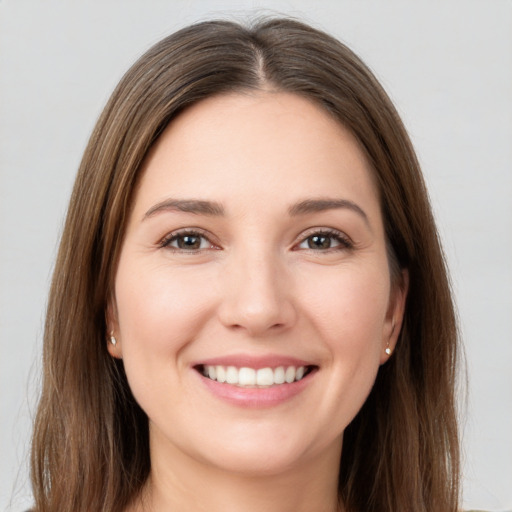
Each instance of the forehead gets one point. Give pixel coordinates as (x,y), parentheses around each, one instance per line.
(262,144)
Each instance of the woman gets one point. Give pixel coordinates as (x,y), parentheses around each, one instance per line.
(250,307)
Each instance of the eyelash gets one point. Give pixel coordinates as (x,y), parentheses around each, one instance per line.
(172,237)
(344,243)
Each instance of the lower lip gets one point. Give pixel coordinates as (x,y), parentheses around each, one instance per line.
(256,397)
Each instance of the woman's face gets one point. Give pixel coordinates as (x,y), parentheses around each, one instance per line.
(253,303)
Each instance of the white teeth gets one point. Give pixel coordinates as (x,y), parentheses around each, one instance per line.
(289,375)
(265,377)
(232,375)
(221,373)
(249,377)
(279,375)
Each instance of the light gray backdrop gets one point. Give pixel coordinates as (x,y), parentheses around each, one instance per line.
(448,67)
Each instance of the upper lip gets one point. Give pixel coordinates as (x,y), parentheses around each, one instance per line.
(251,361)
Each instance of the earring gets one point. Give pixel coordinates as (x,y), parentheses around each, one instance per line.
(388,349)
(113,339)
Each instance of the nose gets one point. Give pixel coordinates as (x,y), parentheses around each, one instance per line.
(257,295)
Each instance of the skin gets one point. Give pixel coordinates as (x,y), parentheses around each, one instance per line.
(257,285)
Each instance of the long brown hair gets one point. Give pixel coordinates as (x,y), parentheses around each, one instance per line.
(90,444)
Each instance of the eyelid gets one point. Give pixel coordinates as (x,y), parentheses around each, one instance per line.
(345,241)
(170,237)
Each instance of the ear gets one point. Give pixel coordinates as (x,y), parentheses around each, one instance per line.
(394,315)
(113,335)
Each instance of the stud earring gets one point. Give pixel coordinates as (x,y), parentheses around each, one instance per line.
(113,339)
(388,349)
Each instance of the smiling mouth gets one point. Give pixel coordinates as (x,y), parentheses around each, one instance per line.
(246,377)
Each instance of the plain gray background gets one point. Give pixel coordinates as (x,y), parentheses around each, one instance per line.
(448,67)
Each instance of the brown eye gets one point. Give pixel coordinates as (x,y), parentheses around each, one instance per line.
(187,242)
(319,242)
(325,241)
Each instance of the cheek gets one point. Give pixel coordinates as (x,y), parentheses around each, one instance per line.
(159,309)
(344,312)
(349,306)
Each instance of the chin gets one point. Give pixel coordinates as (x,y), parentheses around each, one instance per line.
(263,453)
(258,462)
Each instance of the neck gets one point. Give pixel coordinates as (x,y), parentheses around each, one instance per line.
(178,482)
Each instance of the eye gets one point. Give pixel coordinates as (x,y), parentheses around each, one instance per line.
(187,241)
(325,240)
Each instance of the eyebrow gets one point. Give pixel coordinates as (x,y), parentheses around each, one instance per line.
(212,208)
(196,206)
(320,205)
